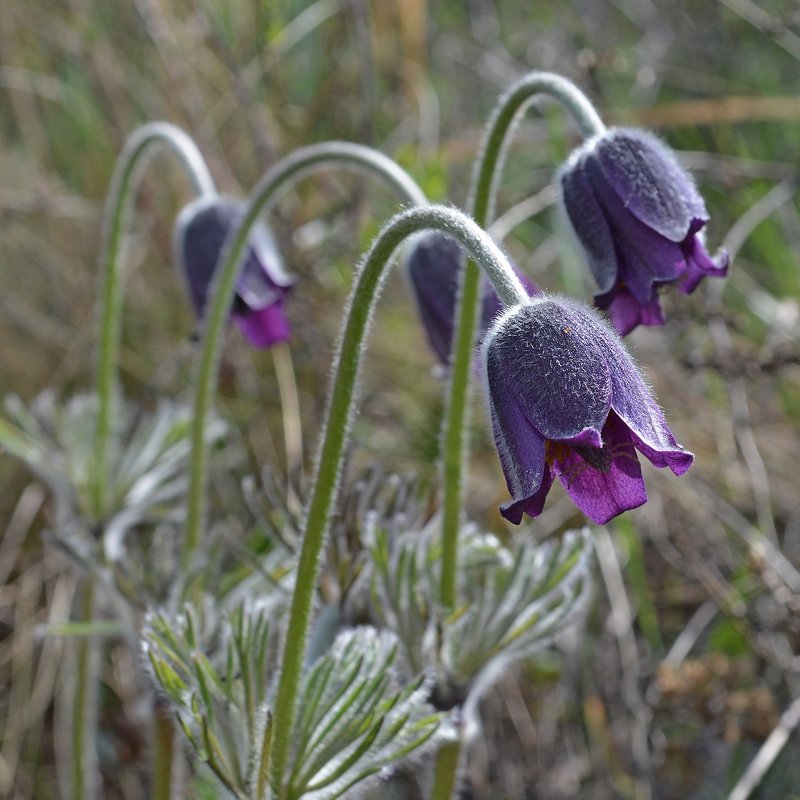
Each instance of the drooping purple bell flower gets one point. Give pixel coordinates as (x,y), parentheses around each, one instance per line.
(567,401)
(262,284)
(434,266)
(638,215)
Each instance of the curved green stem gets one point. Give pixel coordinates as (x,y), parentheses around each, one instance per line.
(279,178)
(123,185)
(339,418)
(489,167)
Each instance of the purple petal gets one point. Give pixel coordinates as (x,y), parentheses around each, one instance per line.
(264,327)
(650,182)
(200,236)
(626,313)
(491,307)
(520,446)
(589,437)
(603,494)
(590,224)
(553,365)
(531,504)
(634,404)
(263,279)
(433,267)
(645,258)
(700,264)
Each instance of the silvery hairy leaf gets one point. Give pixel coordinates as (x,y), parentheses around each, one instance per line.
(149,457)
(512,602)
(354,720)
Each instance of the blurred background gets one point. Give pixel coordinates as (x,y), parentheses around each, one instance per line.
(691,658)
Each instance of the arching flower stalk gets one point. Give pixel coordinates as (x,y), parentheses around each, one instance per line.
(434,267)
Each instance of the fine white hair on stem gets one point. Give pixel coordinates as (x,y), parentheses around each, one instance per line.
(449,221)
(346,365)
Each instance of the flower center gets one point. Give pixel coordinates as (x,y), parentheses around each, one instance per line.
(598,458)
(555,452)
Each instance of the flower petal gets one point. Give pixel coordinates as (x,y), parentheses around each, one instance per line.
(590,224)
(700,264)
(520,446)
(531,504)
(645,258)
(604,494)
(626,313)
(198,238)
(433,267)
(552,364)
(634,404)
(200,234)
(650,182)
(263,280)
(263,327)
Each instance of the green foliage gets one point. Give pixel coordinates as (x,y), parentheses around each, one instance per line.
(353,719)
(512,603)
(150,454)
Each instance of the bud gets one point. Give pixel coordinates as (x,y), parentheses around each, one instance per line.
(198,238)
(639,216)
(566,400)
(434,266)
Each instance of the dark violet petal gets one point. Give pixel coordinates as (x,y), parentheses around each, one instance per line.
(263,279)
(264,327)
(633,402)
(200,235)
(650,182)
(645,257)
(590,437)
(604,494)
(531,505)
(589,223)
(520,446)
(626,313)
(700,264)
(433,268)
(552,364)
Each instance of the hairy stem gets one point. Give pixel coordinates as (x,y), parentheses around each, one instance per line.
(280,177)
(337,427)
(139,146)
(446,770)
(83,728)
(485,180)
(290,406)
(163,752)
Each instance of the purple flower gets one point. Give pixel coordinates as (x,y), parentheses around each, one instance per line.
(199,236)
(567,401)
(434,266)
(638,215)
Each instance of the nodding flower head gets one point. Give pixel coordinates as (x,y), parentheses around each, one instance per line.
(199,236)
(638,215)
(567,401)
(434,266)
